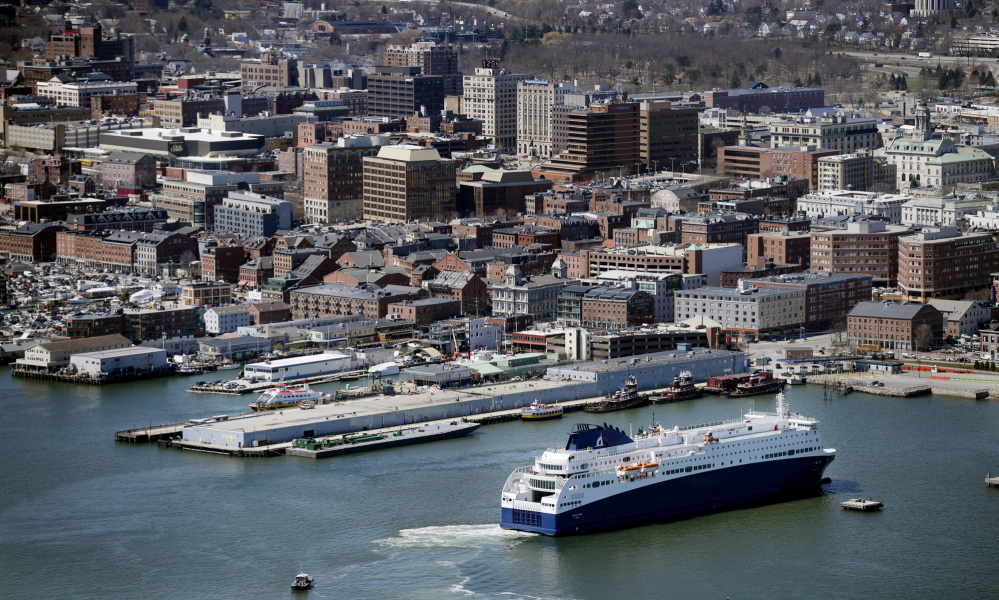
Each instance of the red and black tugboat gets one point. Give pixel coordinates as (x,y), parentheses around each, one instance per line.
(683,388)
(760,382)
(625,397)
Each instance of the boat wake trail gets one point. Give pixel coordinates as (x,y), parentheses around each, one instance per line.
(456,536)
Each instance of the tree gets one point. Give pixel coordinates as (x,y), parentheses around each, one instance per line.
(837,327)
(182,25)
(923,337)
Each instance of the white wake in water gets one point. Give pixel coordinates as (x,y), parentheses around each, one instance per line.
(455,536)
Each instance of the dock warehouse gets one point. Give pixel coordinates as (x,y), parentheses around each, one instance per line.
(568,382)
(135,358)
(298,367)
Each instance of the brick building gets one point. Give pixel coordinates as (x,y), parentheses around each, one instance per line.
(942,262)
(333,299)
(781,247)
(894,325)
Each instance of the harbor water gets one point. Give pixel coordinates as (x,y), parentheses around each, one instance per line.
(84,517)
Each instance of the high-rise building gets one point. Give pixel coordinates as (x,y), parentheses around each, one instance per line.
(667,135)
(401,91)
(432,59)
(332,177)
(538,103)
(409,183)
(491,97)
(602,138)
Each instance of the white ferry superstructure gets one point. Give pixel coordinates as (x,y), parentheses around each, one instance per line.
(603,478)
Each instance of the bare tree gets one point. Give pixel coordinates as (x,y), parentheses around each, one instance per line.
(923,337)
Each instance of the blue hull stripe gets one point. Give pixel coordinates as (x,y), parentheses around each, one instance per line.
(714,489)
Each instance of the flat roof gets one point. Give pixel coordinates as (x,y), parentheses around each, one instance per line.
(118,352)
(299,360)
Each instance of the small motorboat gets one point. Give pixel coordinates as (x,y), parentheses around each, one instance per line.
(303,581)
(862,505)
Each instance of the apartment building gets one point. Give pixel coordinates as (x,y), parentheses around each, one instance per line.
(942,262)
(866,247)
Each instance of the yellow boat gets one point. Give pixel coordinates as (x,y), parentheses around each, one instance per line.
(538,411)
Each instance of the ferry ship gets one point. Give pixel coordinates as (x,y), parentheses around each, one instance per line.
(683,388)
(538,411)
(285,397)
(626,396)
(760,382)
(603,478)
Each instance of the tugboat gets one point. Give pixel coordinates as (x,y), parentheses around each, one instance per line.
(682,389)
(538,411)
(760,382)
(303,581)
(625,397)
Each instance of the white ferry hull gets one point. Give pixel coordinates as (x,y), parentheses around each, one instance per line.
(697,492)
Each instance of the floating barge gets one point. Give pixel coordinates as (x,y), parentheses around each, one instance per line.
(862,505)
(352,444)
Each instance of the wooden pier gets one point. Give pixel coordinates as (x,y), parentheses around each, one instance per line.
(86,378)
(249,387)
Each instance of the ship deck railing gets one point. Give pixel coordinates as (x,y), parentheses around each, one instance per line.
(715,424)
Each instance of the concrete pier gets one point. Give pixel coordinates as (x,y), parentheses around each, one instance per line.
(150,434)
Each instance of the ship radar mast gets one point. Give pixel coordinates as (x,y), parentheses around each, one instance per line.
(783,412)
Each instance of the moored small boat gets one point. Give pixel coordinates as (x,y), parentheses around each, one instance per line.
(538,411)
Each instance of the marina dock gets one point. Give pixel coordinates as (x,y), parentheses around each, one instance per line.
(248,387)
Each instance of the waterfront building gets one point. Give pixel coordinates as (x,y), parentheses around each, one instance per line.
(746,312)
(298,367)
(895,325)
